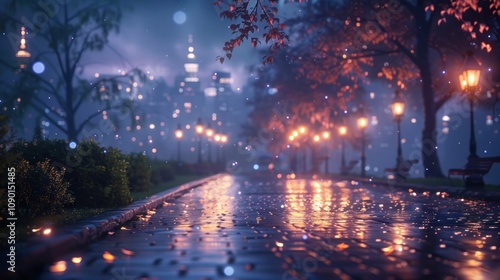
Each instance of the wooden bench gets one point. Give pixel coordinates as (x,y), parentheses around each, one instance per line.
(474,170)
(403,170)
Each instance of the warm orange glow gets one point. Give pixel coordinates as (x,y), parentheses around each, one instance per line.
(210,132)
(291,138)
(343,130)
(76,260)
(388,250)
(199,128)
(302,129)
(58,267)
(217,137)
(398,108)
(295,133)
(36,229)
(127,252)
(362,122)
(178,134)
(279,244)
(469,79)
(326,135)
(108,256)
(223,138)
(342,246)
(316,138)
(47,231)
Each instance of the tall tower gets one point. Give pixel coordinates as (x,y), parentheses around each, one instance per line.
(190,84)
(22,54)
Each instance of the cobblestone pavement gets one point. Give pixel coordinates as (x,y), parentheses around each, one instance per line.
(241,228)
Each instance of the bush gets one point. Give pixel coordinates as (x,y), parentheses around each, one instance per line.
(100,178)
(37,151)
(138,172)
(40,189)
(161,172)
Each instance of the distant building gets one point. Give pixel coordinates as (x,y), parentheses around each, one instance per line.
(188,101)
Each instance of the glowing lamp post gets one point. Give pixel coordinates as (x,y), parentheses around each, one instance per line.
(469,82)
(209,133)
(398,109)
(217,139)
(199,130)
(178,134)
(362,124)
(342,133)
(326,136)
(223,139)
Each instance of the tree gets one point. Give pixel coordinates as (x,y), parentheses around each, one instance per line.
(345,39)
(65,33)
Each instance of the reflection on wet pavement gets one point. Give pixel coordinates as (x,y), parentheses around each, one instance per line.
(237,228)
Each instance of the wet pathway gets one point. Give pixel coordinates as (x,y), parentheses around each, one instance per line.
(236,228)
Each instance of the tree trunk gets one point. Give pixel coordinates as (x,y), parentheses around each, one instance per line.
(430,157)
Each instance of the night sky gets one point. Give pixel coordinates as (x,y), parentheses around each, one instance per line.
(151,39)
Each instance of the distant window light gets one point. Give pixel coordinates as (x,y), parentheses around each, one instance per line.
(225,80)
(413,120)
(192,79)
(372,95)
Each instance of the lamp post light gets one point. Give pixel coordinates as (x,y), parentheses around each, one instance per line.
(342,133)
(178,134)
(326,136)
(209,133)
(223,139)
(469,82)
(362,124)
(293,159)
(398,109)
(302,131)
(199,130)
(217,139)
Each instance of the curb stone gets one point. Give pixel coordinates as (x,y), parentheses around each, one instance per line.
(34,253)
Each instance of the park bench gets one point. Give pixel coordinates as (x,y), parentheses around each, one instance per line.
(346,169)
(474,170)
(403,170)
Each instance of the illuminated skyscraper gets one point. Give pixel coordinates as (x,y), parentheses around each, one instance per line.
(189,84)
(22,54)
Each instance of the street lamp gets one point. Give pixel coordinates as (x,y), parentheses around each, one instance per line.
(199,130)
(398,109)
(209,133)
(342,133)
(178,134)
(362,124)
(223,139)
(217,139)
(326,136)
(469,82)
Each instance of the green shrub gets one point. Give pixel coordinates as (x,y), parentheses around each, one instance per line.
(40,150)
(40,189)
(100,178)
(161,172)
(139,172)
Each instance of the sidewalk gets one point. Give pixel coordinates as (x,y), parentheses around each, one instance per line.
(34,253)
